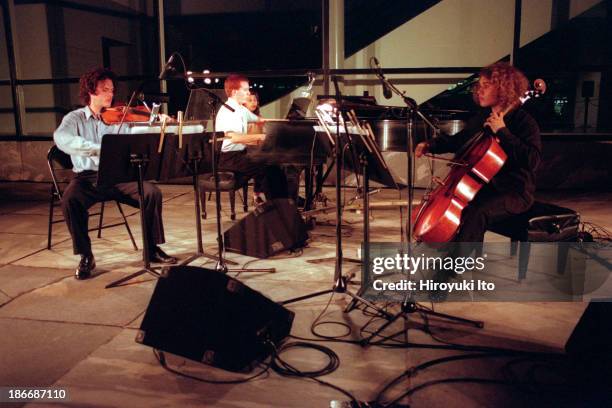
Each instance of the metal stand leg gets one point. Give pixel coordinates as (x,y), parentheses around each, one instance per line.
(408,308)
(340,281)
(198,211)
(139,161)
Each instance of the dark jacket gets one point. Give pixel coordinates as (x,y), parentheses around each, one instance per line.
(521,141)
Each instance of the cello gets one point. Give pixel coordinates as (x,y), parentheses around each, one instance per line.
(439,216)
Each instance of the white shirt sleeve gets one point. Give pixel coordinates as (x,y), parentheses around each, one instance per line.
(251,117)
(67,138)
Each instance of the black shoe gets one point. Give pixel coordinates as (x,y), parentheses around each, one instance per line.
(86,267)
(159,256)
(257,201)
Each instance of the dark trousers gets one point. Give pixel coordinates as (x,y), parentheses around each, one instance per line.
(82,193)
(267,179)
(487,208)
(292,173)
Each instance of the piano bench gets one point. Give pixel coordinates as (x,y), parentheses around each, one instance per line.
(227,182)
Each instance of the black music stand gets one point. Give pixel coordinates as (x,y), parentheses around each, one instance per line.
(340,281)
(371,165)
(190,155)
(125,158)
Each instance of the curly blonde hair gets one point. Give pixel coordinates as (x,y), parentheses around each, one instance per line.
(509,81)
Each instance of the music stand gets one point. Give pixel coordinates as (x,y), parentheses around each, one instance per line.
(125,158)
(340,281)
(366,160)
(191,156)
(371,165)
(198,104)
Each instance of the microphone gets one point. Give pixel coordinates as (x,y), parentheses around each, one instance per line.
(167,68)
(387,93)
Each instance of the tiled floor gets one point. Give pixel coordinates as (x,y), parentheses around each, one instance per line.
(77,335)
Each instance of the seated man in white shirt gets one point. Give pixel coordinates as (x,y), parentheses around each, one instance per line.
(268,179)
(80,135)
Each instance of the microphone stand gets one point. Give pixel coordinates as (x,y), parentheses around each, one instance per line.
(221,265)
(340,281)
(127,107)
(408,305)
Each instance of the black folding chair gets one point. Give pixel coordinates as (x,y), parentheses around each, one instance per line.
(57,161)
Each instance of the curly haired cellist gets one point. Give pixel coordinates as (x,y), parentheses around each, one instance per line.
(511,191)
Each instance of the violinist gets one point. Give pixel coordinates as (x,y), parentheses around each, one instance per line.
(511,191)
(80,135)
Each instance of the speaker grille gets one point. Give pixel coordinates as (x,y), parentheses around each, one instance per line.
(269,229)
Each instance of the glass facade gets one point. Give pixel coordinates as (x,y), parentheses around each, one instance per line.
(276,41)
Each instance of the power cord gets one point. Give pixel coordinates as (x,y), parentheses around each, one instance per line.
(414,370)
(284,368)
(161,358)
(317,322)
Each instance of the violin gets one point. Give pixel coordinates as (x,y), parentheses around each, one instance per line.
(439,217)
(115,114)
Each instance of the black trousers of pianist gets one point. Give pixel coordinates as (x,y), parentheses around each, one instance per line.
(82,193)
(268,179)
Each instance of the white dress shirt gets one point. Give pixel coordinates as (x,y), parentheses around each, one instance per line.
(237,121)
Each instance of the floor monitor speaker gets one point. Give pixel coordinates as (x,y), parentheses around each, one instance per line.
(209,317)
(589,347)
(272,227)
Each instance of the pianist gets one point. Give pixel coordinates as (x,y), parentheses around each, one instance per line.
(80,135)
(269,181)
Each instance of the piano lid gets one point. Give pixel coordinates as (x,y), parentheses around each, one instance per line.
(366,107)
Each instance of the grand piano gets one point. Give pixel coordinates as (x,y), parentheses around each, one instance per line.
(298,142)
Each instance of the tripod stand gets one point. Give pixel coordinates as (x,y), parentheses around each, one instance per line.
(191,156)
(221,265)
(340,284)
(140,150)
(408,306)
